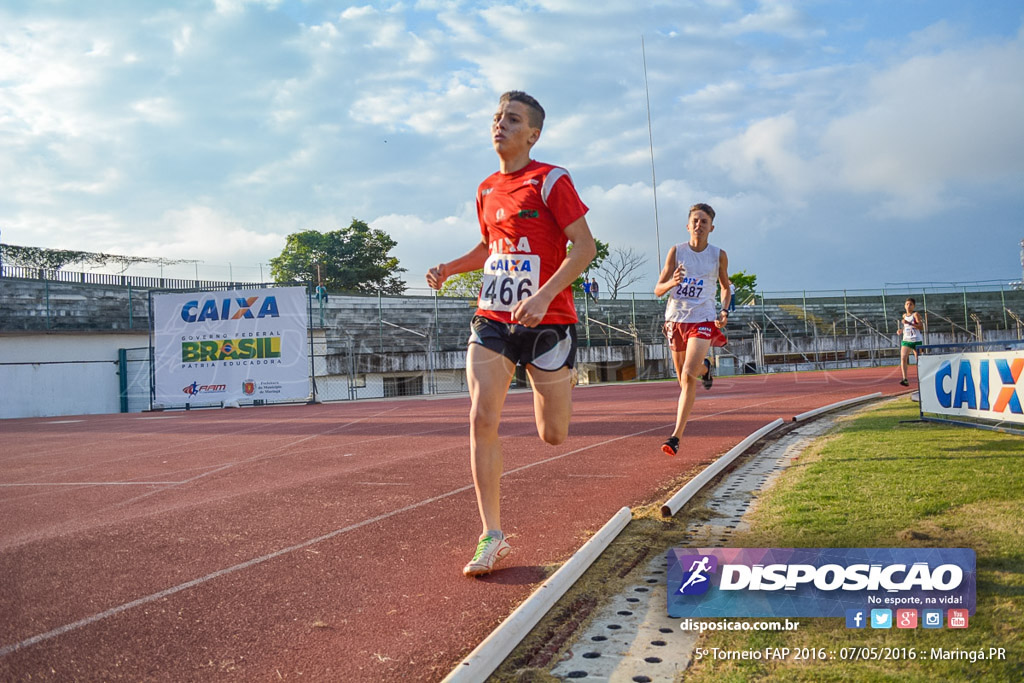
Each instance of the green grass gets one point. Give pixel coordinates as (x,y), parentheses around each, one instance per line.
(880,483)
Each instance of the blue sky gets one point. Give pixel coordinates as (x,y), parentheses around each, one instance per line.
(843,144)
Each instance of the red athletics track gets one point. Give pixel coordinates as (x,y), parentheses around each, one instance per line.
(322,542)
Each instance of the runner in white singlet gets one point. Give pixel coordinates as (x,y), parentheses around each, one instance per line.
(692,269)
(912,337)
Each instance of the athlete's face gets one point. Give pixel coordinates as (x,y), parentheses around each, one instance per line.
(511,131)
(699,226)
(909,306)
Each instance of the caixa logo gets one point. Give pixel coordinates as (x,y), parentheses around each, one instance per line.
(970,385)
(230,308)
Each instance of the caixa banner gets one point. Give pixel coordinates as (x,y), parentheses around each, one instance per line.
(816,582)
(235,345)
(985,386)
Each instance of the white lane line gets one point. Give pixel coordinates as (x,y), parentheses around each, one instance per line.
(91,483)
(7,649)
(599,476)
(279,450)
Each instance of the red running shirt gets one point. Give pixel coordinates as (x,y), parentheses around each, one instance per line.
(523,216)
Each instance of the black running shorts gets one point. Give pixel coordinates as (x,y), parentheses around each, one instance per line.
(546,347)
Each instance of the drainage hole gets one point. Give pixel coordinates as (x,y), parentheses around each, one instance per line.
(641,679)
(591,655)
(665,629)
(614,627)
(652,581)
(652,660)
(659,643)
(641,589)
(624,613)
(576,674)
(632,599)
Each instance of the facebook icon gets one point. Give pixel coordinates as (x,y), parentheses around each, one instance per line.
(856,618)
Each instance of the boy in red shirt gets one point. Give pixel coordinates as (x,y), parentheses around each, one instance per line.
(528,212)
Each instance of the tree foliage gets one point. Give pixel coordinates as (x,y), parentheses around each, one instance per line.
(746,286)
(595,265)
(619,270)
(55,259)
(353,259)
(465,285)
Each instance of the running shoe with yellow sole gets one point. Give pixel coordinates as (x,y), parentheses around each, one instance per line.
(489,551)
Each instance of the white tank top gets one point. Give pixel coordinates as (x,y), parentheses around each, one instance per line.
(693,301)
(911,333)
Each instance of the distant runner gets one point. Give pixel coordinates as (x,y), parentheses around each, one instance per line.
(690,273)
(912,337)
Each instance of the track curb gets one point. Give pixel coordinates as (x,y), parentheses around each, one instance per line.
(489,654)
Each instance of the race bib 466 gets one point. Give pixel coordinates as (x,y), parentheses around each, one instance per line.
(508,279)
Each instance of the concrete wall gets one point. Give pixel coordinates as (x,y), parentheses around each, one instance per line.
(45,375)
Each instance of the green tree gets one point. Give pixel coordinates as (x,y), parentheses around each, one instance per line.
(595,265)
(463,284)
(353,259)
(746,286)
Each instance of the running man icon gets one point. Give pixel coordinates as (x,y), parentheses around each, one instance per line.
(697,570)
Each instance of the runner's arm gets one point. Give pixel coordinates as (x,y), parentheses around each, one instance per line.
(723,280)
(471,260)
(531,310)
(670,276)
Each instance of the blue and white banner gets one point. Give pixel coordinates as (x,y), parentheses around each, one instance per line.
(986,386)
(816,582)
(238,345)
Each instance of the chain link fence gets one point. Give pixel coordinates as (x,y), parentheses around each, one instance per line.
(415,344)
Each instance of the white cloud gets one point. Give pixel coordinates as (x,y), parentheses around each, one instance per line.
(932,124)
(256,118)
(765,154)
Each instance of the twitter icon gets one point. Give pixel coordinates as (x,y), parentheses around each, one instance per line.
(881,618)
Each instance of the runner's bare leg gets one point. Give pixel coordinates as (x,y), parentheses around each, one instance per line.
(488,374)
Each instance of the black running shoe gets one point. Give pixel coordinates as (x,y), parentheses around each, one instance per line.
(671,446)
(904,382)
(709,376)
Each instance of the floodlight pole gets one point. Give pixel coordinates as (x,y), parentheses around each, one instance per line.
(650,138)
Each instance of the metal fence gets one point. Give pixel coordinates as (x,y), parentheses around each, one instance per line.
(370,346)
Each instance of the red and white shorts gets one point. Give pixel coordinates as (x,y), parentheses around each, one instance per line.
(679,333)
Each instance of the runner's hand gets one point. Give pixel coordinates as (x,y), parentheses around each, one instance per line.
(436,276)
(530,311)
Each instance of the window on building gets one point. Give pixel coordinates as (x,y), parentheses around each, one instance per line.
(403,386)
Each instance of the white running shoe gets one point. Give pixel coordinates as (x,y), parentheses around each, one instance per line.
(489,551)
